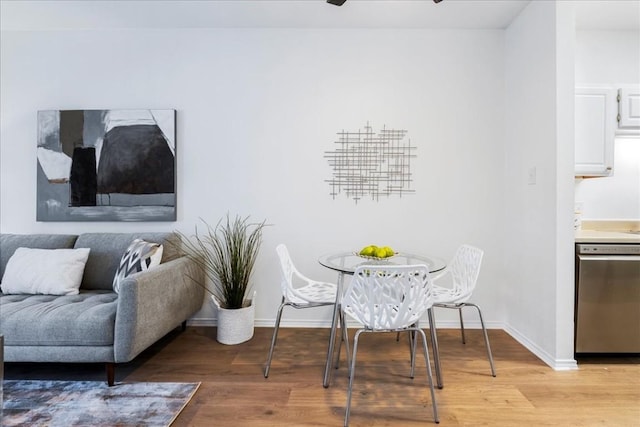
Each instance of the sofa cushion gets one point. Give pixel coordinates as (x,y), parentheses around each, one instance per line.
(86,319)
(44,271)
(10,242)
(107,250)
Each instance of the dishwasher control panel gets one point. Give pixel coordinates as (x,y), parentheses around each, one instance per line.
(608,249)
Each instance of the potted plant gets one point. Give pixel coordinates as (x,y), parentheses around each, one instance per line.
(227,254)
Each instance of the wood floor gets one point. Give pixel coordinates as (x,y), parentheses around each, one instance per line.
(526,392)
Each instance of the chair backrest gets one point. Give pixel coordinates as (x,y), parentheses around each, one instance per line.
(287,269)
(464,269)
(385,297)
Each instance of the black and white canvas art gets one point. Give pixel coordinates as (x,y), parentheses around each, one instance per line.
(106,165)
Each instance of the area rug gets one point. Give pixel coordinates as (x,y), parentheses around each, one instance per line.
(93,403)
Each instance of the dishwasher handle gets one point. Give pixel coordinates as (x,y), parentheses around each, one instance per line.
(623,258)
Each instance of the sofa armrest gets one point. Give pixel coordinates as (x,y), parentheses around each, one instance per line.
(153,302)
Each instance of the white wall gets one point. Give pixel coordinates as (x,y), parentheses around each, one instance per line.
(565,160)
(539,135)
(257,109)
(611,58)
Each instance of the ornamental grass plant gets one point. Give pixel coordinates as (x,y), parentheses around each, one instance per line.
(227,254)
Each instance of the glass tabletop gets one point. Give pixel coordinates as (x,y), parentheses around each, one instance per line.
(346,262)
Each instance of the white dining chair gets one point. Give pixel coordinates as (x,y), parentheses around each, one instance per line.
(298,291)
(385,298)
(463,270)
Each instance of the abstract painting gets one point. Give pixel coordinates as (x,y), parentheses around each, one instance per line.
(371,164)
(106,165)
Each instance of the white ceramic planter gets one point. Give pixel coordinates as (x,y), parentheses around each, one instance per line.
(235,326)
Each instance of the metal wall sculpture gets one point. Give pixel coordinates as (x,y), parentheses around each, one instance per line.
(371,164)
(106,165)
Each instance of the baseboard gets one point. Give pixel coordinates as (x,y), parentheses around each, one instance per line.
(555,364)
(304,323)
(267,323)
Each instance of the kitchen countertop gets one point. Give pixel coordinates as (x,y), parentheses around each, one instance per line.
(608,232)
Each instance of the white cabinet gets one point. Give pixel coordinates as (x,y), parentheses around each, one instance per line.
(596,110)
(629,111)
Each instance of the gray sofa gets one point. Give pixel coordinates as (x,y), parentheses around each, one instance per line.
(98,325)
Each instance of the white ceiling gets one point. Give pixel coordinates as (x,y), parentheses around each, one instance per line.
(471,14)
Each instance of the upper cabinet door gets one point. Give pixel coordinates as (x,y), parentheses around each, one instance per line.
(629,110)
(595,120)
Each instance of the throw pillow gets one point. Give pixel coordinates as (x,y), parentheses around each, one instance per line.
(139,256)
(45,271)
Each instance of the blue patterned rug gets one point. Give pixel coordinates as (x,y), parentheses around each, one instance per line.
(93,403)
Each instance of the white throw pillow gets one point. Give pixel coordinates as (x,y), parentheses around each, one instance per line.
(45,271)
(139,256)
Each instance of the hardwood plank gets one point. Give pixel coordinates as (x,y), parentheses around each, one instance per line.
(603,392)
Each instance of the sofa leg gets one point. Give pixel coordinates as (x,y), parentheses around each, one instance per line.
(111,374)
(184,326)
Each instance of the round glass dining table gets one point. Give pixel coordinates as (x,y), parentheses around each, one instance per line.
(346,263)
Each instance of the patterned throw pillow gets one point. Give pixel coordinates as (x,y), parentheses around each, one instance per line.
(139,256)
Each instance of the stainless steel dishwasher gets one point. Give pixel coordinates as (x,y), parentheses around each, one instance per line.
(607,312)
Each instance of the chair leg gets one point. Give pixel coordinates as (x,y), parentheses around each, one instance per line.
(344,338)
(429,375)
(274,338)
(332,337)
(486,339)
(412,350)
(464,341)
(352,375)
(412,346)
(337,361)
(434,344)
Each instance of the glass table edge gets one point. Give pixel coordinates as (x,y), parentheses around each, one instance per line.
(435,264)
